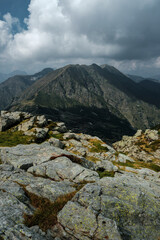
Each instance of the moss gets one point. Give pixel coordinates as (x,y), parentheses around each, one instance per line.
(103,173)
(116,154)
(51,125)
(92,159)
(45,215)
(138,165)
(154,167)
(58,136)
(97,146)
(80,185)
(10,138)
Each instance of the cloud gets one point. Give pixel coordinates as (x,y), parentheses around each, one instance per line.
(66,31)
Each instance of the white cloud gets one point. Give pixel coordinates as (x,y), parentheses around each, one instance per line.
(67,31)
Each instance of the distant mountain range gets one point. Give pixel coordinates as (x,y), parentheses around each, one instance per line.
(96,99)
(4,76)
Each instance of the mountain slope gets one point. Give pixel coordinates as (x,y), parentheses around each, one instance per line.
(92,97)
(4,76)
(13,87)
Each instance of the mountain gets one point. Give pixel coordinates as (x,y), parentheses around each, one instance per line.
(41,74)
(135,78)
(13,87)
(96,99)
(4,76)
(157,77)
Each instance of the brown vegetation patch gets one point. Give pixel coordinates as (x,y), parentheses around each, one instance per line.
(45,215)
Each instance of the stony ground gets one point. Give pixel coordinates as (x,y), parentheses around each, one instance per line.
(60,185)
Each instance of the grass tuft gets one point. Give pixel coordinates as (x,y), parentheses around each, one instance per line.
(97,146)
(45,215)
(138,165)
(103,173)
(92,159)
(10,138)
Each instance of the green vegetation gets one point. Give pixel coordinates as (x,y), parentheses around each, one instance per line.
(80,185)
(155,145)
(58,136)
(103,174)
(92,159)
(147,146)
(10,138)
(97,146)
(138,165)
(45,215)
(51,126)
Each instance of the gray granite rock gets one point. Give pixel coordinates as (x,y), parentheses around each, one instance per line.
(63,168)
(121,207)
(25,156)
(9,119)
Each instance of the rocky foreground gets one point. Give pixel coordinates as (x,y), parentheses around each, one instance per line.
(55,184)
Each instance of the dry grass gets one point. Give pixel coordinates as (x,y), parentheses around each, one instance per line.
(92,159)
(139,165)
(96,146)
(45,215)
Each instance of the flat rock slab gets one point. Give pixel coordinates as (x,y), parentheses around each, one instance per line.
(25,156)
(62,168)
(11,211)
(118,208)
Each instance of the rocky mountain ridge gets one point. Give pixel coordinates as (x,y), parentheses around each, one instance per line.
(87,97)
(56,184)
(5,76)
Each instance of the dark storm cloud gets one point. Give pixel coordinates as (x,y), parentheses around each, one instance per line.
(59,32)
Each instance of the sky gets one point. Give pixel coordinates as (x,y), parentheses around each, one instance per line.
(35,34)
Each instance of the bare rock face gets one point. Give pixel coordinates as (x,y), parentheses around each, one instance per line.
(142,146)
(61,189)
(9,119)
(113,208)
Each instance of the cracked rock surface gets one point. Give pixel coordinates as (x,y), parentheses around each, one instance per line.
(68,179)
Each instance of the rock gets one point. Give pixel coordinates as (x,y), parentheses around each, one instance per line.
(124,158)
(27,125)
(70,135)
(26,156)
(106,166)
(61,127)
(138,133)
(142,146)
(41,121)
(55,132)
(63,168)
(151,134)
(50,189)
(126,205)
(79,221)
(11,211)
(56,143)
(40,133)
(9,119)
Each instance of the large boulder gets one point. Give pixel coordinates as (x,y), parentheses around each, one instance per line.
(124,207)
(26,156)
